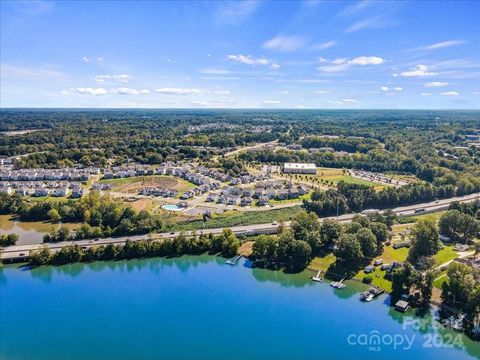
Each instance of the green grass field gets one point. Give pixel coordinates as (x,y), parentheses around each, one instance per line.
(331,176)
(237,218)
(151,180)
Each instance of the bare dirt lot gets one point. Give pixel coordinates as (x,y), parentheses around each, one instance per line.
(148,182)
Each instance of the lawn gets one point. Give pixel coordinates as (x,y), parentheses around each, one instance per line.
(133,184)
(322,263)
(444,255)
(237,218)
(331,176)
(289,201)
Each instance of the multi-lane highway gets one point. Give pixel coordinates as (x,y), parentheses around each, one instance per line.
(21,252)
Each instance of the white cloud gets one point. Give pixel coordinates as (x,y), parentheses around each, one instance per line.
(476,93)
(247,59)
(397,88)
(322,60)
(355,8)
(85,59)
(418,70)
(222,92)
(436,84)
(64,92)
(90,91)
(215,71)
(343,102)
(124,91)
(100,59)
(271,102)
(144,92)
(284,43)
(365,24)
(384,88)
(450,93)
(322,92)
(426,94)
(445,44)
(367,60)
(16,72)
(275,66)
(342,64)
(119,78)
(178,91)
(323,45)
(233,12)
(199,103)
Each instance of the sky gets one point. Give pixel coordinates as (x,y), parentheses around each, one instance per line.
(240,54)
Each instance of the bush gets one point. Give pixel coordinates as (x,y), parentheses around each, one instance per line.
(367,279)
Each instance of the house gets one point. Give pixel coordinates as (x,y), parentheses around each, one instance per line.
(6,190)
(61,191)
(263,201)
(368,269)
(302,190)
(270,193)
(23,191)
(293,193)
(401,305)
(232,200)
(385,267)
(40,191)
(378,262)
(77,191)
(211,197)
(247,192)
(237,191)
(222,199)
(258,192)
(246,201)
(282,194)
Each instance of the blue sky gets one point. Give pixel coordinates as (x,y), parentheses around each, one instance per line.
(240,54)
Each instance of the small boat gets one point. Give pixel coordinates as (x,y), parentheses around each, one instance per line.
(317,277)
(369,298)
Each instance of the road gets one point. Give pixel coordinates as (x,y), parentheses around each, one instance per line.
(20,252)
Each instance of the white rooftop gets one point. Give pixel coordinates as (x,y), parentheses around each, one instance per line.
(300,166)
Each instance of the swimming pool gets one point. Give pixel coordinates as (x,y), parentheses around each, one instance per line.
(171,207)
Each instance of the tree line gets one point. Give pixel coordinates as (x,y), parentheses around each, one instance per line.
(226,244)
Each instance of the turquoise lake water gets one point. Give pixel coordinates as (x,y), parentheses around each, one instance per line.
(198,307)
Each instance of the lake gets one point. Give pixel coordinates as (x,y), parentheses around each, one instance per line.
(29,232)
(197,307)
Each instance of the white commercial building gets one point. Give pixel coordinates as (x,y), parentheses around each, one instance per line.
(299,168)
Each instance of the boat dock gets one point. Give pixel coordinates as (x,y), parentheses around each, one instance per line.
(338,284)
(233,261)
(317,277)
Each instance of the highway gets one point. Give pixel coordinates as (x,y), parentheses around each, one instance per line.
(21,252)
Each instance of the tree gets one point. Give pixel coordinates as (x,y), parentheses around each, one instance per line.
(229,243)
(425,240)
(8,239)
(40,256)
(458,226)
(426,287)
(368,242)
(306,227)
(54,215)
(330,231)
(390,217)
(381,234)
(63,234)
(348,250)
(300,252)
